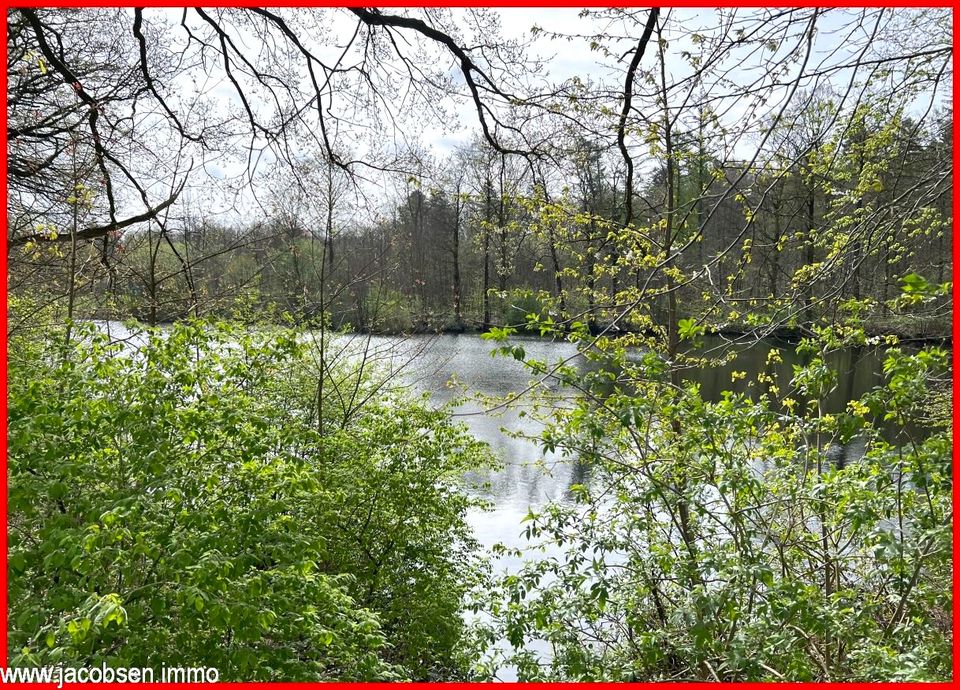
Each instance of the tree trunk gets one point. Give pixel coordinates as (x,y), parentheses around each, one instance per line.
(457,290)
(487,216)
(673,328)
(809,253)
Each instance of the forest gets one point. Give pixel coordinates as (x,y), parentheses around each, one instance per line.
(690,270)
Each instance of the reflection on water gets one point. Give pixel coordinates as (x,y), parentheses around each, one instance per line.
(529,478)
(858,370)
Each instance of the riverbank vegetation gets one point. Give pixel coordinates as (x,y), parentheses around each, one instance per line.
(734,539)
(235,490)
(179,499)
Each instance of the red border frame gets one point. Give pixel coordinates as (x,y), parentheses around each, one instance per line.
(956,389)
(3,368)
(8,4)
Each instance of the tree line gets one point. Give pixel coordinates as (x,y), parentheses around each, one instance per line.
(774,221)
(478,239)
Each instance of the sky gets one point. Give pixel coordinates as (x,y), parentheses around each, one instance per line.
(565,58)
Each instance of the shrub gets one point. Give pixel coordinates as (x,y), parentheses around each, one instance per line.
(175,503)
(725,541)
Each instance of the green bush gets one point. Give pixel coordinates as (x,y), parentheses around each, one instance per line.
(381,311)
(519,307)
(723,540)
(175,503)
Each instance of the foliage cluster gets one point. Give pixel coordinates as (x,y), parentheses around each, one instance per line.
(752,538)
(172,500)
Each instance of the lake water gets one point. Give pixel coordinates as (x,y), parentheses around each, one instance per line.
(446,365)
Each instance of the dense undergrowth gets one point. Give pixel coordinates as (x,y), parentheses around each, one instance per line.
(173,501)
(753,538)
